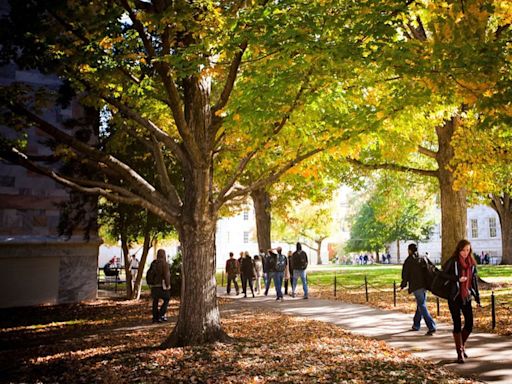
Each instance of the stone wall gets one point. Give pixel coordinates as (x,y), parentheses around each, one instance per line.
(38,271)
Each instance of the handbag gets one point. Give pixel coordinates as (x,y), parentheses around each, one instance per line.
(441,286)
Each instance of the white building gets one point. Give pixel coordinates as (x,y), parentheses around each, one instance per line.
(483,231)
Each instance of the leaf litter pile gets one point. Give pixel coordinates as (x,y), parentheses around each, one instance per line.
(115,342)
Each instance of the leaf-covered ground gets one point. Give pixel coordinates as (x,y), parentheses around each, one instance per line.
(114,342)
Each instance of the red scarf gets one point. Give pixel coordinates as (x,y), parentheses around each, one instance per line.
(466,269)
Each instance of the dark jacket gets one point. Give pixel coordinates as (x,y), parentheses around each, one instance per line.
(269,265)
(232,267)
(247,267)
(163,272)
(414,273)
(451,271)
(299,260)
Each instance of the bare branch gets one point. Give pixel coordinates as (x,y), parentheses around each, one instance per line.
(393,167)
(427,152)
(271,178)
(501,29)
(230,81)
(110,192)
(154,129)
(139,27)
(168,187)
(138,182)
(419,31)
(165,71)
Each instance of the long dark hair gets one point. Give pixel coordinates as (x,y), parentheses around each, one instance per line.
(460,246)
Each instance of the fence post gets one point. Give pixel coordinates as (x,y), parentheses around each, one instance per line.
(394,293)
(366,287)
(334,283)
(493,310)
(437,303)
(222,279)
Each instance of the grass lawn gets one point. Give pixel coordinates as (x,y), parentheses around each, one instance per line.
(350,287)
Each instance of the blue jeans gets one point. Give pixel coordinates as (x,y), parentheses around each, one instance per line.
(422,311)
(270,276)
(278,281)
(303,277)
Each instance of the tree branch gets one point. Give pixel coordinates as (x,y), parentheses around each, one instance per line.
(393,167)
(230,81)
(164,72)
(154,129)
(274,175)
(165,181)
(110,192)
(138,182)
(427,152)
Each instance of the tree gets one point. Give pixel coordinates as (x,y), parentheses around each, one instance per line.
(313,180)
(486,172)
(307,221)
(397,209)
(164,74)
(447,61)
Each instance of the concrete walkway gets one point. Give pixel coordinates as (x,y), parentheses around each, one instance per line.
(490,355)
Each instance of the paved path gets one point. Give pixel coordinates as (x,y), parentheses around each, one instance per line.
(490,355)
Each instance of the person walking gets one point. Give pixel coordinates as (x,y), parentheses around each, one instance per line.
(247,273)
(134,268)
(264,262)
(288,274)
(269,264)
(461,270)
(414,274)
(232,271)
(279,264)
(299,264)
(162,288)
(258,268)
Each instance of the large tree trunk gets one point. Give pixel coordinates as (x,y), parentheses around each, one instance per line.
(262,213)
(453,203)
(397,251)
(199,317)
(503,207)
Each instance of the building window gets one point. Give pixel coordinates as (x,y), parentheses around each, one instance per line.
(474,228)
(246,237)
(246,214)
(492,227)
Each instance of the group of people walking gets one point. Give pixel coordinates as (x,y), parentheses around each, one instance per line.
(272,265)
(460,272)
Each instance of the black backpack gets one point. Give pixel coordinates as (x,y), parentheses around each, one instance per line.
(151,274)
(280,263)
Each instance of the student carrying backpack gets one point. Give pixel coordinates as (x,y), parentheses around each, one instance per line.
(280,263)
(416,275)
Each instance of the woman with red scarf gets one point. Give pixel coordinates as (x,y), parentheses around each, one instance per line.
(461,270)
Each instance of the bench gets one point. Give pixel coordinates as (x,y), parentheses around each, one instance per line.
(111,280)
